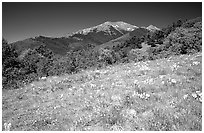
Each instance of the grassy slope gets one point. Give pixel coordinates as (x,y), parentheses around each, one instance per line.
(114,42)
(122,39)
(153,95)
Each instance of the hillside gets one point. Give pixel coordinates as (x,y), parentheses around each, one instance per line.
(57,45)
(95,36)
(139,32)
(164,94)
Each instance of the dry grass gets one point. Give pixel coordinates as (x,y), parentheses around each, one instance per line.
(164,94)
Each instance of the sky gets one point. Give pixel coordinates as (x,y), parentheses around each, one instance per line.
(25,20)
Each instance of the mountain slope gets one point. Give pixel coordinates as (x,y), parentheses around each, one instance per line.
(57,45)
(94,36)
(164,94)
(152,28)
(139,32)
(120,26)
(105,32)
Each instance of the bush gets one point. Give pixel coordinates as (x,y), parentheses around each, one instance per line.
(190,23)
(10,64)
(106,56)
(62,66)
(137,55)
(76,61)
(185,41)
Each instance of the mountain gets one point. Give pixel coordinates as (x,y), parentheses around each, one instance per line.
(156,89)
(82,39)
(57,45)
(152,28)
(106,27)
(139,32)
(104,32)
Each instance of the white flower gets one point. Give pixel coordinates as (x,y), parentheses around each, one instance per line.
(43,78)
(161,76)
(185,96)
(144,67)
(194,95)
(147,95)
(136,81)
(196,63)
(134,93)
(199,93)
(200,99)
(142,96)
(116,99)
(92,85)
(173,80)
(7,126)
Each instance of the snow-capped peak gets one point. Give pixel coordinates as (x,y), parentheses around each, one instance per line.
(152,28)
(124,26)
(106,27)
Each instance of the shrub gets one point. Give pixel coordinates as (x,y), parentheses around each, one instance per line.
(137,55)
(190,23)
(106,56)
(61,66)
(185,41)
(10,64)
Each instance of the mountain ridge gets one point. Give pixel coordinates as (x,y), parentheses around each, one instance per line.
(118,25)
(95,35)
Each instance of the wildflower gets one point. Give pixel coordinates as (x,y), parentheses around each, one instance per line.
(144,67)
(7,126)
(92,85)
(43,78)
(116,99)
(185,96)
(199,94)
(173,81)
(117,128)
(196,63)
(194,95)
(200,99)
(147,96)
(136,81)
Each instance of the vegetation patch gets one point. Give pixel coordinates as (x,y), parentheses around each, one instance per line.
(112,98)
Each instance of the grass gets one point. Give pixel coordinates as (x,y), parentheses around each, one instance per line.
(154,95)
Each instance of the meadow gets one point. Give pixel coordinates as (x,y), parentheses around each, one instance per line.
(163,94)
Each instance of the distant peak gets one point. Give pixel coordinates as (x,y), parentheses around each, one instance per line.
(106,27)
(107,22)
(113,23)
(121,22)
(152,28)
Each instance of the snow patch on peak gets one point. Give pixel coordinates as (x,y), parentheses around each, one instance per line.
(84,31)
(152,28)
(130,29)
(106,27)
(107,22)
(143,27)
